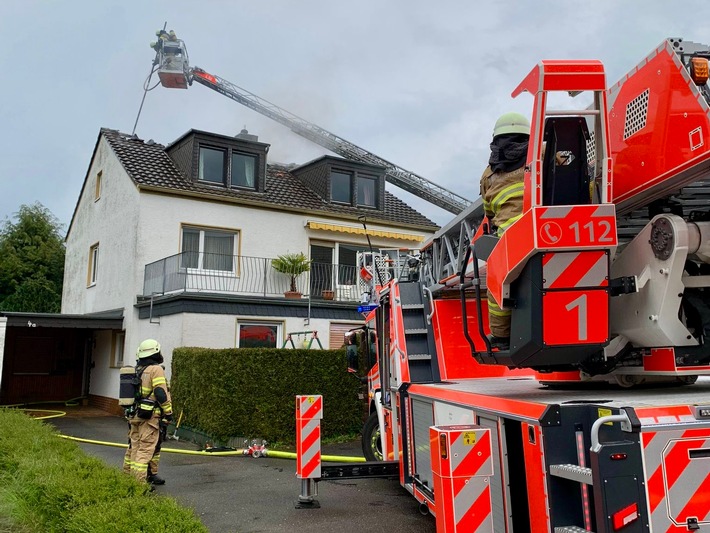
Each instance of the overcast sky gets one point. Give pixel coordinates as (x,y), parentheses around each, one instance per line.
(419,83)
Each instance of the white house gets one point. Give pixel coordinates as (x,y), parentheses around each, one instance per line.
(180,239)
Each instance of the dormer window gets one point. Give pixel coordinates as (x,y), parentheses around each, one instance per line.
(211,166)
(237,163)
(345,183)
(366,191)
(341,187)
(243,170)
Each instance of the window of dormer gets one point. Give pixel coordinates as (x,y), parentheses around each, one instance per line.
(341,187)
(211,165)
(366,191)
(243,170)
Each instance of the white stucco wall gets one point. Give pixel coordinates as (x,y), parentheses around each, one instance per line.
(262,232)
(104,378)
(110,221)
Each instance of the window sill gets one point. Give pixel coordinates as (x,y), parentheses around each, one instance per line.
(215,184)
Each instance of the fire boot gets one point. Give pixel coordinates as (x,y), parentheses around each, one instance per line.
(155,479)
(500,343)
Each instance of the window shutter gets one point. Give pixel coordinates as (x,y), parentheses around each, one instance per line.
(337,334)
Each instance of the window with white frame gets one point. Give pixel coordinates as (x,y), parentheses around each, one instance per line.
(117,346)
(259,334)
(209,249)
(347,263)
(93,270)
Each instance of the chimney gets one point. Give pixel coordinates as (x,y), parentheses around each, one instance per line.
(245,135)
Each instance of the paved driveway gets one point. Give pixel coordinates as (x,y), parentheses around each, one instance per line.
(243,494)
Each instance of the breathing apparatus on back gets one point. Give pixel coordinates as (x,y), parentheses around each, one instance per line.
(129,395)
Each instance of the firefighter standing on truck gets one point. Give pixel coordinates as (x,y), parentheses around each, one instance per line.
(502,193)
(153,410)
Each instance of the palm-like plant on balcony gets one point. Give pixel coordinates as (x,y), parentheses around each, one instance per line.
(292,264)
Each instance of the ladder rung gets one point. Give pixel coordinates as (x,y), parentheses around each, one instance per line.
(419,357)
(412,306)
(571,529)
(414,331)
(576,473)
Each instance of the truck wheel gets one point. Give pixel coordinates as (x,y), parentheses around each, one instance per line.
(371,439)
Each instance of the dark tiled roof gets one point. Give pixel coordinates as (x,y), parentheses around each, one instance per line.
(149,165)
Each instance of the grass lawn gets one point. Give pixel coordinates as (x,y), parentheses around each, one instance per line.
(49,484)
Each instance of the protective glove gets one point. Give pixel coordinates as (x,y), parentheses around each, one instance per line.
(167,419)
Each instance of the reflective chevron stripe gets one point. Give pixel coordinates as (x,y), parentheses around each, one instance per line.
(309,411)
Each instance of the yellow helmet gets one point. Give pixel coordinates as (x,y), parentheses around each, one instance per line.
(511,123)
(147,348)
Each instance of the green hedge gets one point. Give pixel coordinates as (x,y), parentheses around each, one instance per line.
(251,392)
(48,484)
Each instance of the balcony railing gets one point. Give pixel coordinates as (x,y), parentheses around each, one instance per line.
(242,275)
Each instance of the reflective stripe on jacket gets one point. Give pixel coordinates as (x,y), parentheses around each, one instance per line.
(502,194)
(152,378)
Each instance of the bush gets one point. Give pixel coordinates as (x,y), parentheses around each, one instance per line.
(252,391)
(48,484)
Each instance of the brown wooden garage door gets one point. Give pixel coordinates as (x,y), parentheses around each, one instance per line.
(43,364)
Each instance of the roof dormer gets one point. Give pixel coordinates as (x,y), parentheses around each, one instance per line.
(342,182)
(221,161)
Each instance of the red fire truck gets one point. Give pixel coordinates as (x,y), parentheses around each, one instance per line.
(597,418)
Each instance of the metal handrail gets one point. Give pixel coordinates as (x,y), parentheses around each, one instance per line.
(245,275)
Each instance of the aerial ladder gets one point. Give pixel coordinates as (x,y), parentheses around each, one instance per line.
(174,70)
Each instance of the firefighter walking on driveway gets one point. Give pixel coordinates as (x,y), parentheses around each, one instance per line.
(153,410)
(502,193)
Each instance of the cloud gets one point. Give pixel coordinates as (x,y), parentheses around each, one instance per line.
(415,82)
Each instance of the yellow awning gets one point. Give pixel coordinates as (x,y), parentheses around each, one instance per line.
(312,224)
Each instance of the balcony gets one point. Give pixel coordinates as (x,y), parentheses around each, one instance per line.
(191,272)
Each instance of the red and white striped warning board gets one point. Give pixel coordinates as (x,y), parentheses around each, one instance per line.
(309,412)
(570,270)
(677,477)
(462,466)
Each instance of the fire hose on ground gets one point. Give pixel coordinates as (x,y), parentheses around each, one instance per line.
(254,450)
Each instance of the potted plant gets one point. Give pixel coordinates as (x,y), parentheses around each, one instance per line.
(292,264)
(328,294)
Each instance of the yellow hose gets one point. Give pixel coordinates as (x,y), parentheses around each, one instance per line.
(241,453)
(325,458)
(69,403)
(267,453)
(56,414)
(169,450)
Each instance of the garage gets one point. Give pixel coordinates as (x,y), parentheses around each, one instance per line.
(47,357)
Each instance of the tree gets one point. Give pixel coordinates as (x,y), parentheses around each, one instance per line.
(31,261)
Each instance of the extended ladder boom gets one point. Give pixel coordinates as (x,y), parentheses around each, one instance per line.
(409,181)
(175,72)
